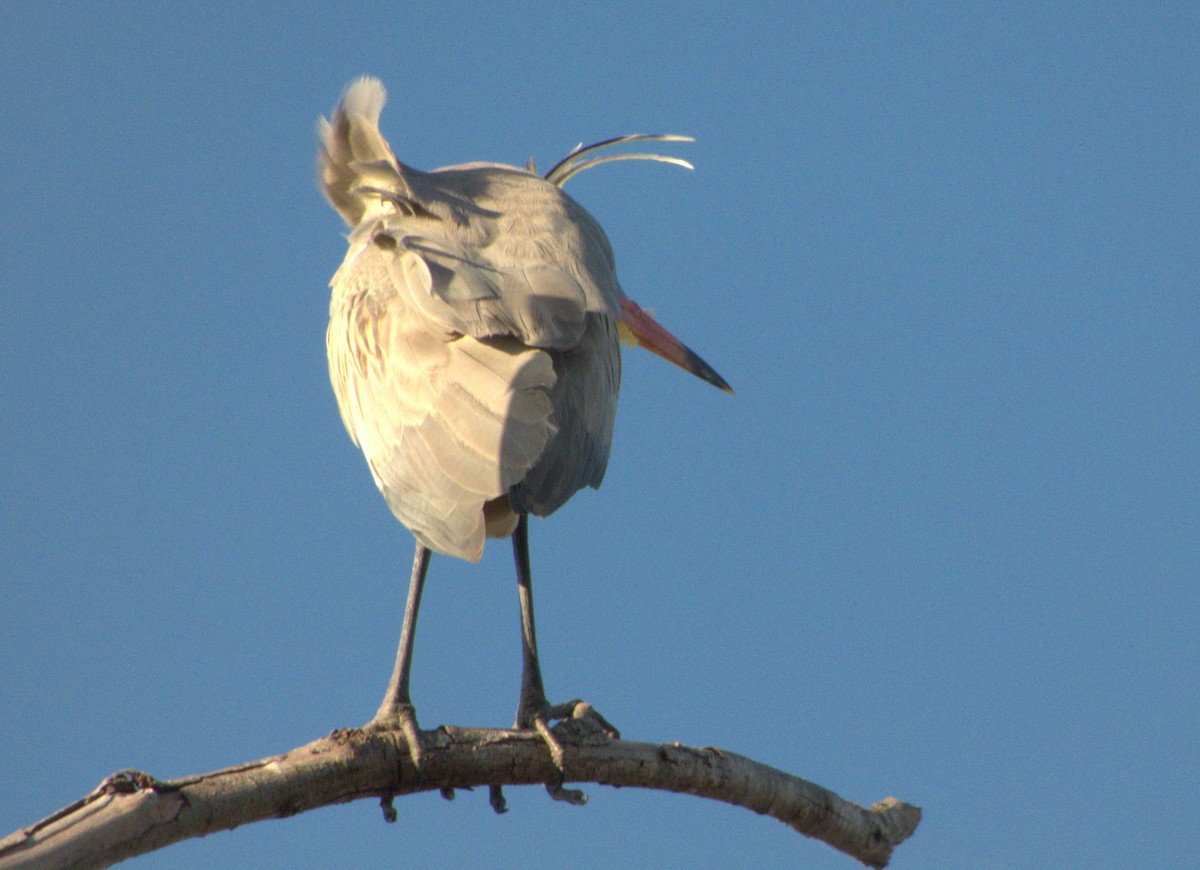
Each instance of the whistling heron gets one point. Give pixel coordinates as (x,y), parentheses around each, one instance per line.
(474,351)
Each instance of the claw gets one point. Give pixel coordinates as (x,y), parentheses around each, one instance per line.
(573,796)
(389,811)
(496,799)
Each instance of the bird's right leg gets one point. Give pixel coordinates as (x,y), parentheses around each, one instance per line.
(397,709)
(533,710)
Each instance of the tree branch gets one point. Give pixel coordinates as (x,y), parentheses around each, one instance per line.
(131,813)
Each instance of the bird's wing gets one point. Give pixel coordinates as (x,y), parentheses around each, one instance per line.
(584,397)
(447,421)
(529,328)
(468,291)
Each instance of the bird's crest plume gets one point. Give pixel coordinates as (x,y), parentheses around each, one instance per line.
(573,164)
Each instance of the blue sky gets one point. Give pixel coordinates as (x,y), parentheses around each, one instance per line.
(943,544)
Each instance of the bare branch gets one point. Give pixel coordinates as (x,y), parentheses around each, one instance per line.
(131,813)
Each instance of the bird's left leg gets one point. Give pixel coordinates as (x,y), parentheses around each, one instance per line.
(397,707)
(533,710)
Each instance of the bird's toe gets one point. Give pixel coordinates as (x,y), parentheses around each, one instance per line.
(401,717)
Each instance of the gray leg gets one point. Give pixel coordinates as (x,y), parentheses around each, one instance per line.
(397,708)
(533,710)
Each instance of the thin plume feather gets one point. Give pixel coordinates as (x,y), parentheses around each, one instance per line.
(572,165)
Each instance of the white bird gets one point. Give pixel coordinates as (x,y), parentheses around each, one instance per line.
(473,348)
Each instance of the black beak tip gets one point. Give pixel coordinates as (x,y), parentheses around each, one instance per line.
(703,370)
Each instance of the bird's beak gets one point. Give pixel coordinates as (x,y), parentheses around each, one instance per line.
(645,332)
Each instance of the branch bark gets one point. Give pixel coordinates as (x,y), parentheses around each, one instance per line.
(131,813)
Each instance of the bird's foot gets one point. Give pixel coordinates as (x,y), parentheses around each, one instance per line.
(580,716)
(404,717)
(577,719)
(587,725)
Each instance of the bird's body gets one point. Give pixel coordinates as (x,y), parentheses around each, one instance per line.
(473,341)
(475,355)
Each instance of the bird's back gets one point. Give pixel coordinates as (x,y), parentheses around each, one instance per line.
(472,338)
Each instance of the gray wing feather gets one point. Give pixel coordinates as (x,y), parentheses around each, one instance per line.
(542,305)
